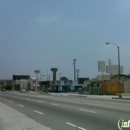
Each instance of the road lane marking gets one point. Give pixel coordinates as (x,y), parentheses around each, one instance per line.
(107,106)
(20,105)
(81,128)
(38,112)
(70,124)
(55,104)
(87,110)
(5,99)
(75,126)
(10,101)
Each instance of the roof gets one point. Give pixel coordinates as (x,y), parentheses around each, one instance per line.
(112,76)
(115,75)
(95,80)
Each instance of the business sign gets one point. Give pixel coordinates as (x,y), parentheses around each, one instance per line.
(54,73)
(37,71)
(101,66)
(114,69)
(18,77)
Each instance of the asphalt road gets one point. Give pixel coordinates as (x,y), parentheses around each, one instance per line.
(69,113)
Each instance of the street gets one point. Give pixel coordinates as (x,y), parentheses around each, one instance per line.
(69,113)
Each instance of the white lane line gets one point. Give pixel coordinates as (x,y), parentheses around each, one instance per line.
(55,104)
(10,101)
(87,110)
(81,128)
(38,112)
(70,124)
(5,99)
(100,105)
(20,105)
(75,126)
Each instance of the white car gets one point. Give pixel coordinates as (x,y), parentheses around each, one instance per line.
(23,91)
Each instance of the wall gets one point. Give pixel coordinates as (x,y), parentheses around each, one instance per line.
(127,87)
(112,86)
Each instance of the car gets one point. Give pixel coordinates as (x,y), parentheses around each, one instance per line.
(23,91)
(3,90)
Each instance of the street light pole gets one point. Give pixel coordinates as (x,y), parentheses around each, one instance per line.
(74,69)
(120,96)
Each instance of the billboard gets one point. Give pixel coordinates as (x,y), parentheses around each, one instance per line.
(36,71)
(103,77)
(54,73)
(18,77)
(101,66)
(114,69)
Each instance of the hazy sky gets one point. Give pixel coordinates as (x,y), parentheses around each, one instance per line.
(41,34)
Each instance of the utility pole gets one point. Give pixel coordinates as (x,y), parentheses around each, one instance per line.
(74,69)
(77,74)
(40,75)
(109,62)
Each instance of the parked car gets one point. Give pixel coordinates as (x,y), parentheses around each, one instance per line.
(23,91)
(3,90)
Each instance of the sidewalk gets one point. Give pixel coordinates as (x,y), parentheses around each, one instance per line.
(124,96)
(11,119)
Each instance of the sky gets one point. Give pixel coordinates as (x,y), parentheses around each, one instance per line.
(45,34)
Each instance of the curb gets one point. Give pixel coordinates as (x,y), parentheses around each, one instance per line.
(121,98)
(78,95)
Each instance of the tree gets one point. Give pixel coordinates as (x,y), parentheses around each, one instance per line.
(9,86)
(64,78)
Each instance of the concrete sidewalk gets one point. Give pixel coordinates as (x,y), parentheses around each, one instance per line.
(11,119)
(124,96)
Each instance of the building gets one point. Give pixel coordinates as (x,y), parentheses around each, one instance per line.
(109,86)
(6,83)
(62,86)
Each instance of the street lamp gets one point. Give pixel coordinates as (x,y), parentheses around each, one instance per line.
(120,96)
